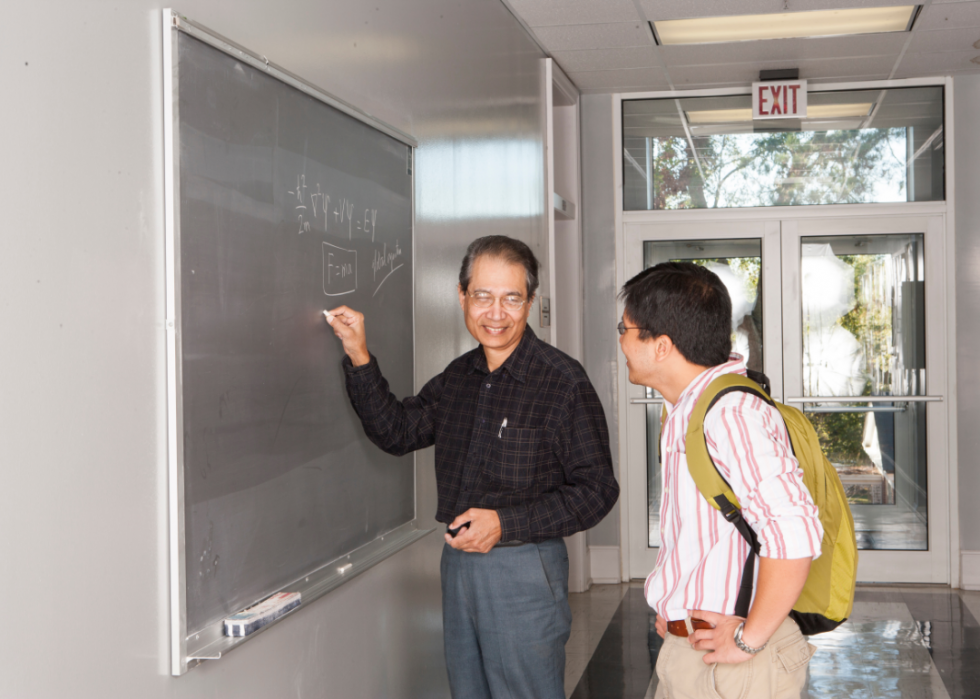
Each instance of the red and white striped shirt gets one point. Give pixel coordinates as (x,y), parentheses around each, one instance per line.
(701,554)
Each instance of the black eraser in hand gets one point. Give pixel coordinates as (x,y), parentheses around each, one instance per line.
(457,530)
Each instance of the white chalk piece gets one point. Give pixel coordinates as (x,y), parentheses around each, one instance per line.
(329,316)
(265,612)
(345,568)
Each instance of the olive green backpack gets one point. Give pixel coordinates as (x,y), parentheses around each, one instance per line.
(828,594)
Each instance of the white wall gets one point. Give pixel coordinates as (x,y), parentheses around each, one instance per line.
(83,500)
(599,260)
(966,179)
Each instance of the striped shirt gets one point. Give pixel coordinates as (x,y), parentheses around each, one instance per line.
(701,556)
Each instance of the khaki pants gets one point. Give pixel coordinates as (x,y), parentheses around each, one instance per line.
(777,672)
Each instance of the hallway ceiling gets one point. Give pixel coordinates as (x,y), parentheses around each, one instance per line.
(607,45)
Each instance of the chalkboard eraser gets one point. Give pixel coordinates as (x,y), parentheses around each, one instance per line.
(265,612)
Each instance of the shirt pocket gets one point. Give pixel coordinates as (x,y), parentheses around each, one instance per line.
(514,458)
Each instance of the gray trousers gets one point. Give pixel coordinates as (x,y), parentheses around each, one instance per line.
(506,620)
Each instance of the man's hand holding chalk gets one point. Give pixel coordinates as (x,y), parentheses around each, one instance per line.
(348,325)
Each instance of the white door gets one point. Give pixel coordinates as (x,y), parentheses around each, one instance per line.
(846,317)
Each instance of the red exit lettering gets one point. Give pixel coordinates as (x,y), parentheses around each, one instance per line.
(783,99)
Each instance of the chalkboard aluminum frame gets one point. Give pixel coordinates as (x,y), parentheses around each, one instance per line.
(190,648)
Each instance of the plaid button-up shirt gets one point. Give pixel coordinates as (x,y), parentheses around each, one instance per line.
(547,472)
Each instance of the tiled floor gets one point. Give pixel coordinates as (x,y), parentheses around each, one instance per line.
(919,642)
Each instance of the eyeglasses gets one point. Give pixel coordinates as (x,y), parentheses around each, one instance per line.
(622,328)
(484,300)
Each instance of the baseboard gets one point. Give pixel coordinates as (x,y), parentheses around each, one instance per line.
(605,565)
(969,570)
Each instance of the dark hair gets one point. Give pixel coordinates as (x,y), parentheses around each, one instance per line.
(687,303)
(503,248)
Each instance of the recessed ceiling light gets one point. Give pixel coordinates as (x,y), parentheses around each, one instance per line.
(785,25)
(813,111)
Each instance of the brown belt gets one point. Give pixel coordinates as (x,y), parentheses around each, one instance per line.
(679,628)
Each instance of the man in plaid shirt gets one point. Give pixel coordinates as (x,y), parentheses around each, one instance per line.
(522,460)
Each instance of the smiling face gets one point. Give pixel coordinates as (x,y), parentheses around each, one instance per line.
(496,328)
(639,355)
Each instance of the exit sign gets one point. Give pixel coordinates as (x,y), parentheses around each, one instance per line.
(782,99)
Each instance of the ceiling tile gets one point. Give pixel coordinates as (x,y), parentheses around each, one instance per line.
(945,40)
(637,78)
(785,50)
(683,9)
(922,64)
(706,86)
(747,73)
(545,13)
(805,5)
(604,59)
(953,15)
(860,77)
(594,36)
(597,90)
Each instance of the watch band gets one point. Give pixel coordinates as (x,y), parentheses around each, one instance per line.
(741,644)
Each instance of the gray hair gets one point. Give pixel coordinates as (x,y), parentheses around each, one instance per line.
(503,248)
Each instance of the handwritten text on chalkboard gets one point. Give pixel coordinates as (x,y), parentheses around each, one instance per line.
(319,207)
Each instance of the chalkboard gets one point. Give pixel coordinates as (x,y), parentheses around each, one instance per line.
(283,206)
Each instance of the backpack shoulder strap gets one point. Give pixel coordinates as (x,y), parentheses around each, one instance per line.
(703,470)
(715,489)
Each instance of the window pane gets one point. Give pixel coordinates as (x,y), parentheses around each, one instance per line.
(738,262)
(857,146)
(863,315)
(864,335)
(879,450)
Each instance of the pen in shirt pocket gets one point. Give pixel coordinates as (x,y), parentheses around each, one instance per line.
(500,432)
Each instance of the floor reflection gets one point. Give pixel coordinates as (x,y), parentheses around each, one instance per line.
(919,642)
(886,659)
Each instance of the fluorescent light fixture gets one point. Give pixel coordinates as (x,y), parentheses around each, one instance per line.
(813,111)
(785,25)
(719,116)
(836,111)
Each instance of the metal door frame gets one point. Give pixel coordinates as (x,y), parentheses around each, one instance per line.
(641,557)
(780,232)
(942,210)
(932,565)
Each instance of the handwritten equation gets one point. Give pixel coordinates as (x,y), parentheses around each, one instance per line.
(313,208)
(312,205)
(339,270)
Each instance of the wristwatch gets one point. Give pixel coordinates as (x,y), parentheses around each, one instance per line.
(741,644)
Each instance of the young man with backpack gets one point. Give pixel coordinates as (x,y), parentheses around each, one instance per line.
(725,616)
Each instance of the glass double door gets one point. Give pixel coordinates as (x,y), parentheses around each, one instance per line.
(846,317)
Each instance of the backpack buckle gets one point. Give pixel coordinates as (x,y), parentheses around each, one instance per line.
(728,510)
